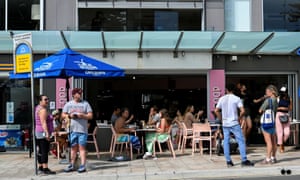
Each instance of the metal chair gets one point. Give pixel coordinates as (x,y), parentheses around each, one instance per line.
(186,134)
(201,132)
(94,141)
(169,142)
(115,142)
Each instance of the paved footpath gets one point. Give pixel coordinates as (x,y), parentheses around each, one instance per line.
(17,165)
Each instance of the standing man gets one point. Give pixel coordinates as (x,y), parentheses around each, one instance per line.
(229,105)
(79,112)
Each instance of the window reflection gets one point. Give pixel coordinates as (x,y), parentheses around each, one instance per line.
(282,15)
(2,14)
(20,15)
(139,19)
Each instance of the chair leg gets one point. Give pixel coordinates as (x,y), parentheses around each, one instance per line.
(170,145)
(159,146)
(58,151)
(193,147)
(111,144)
(97,149)
(113,149)
(154,153)
(210,149)
(179,142)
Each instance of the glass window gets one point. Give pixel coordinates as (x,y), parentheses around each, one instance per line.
(2,14)
(139,19)
(237,15)
(17,92)
(282,15)
(23,14)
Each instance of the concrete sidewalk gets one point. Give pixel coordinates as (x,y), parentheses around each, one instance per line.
(17,165)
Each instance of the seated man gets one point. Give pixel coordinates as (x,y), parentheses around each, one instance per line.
(121,129)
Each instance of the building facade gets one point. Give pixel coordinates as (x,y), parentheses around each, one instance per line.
(168,49)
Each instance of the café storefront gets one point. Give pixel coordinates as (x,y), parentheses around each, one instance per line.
(162,68)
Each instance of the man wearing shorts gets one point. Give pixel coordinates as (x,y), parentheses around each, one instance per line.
(79,112)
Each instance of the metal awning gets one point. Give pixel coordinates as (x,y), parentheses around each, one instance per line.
(283,43)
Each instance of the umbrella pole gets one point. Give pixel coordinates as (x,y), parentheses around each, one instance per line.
(69,135)
(69,123)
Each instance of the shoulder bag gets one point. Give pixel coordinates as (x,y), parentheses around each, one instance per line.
(267,118)
(284,118)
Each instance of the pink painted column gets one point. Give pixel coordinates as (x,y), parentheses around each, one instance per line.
(216,88)
(61,95)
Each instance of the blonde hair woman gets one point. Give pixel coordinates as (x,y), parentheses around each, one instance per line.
(270,133)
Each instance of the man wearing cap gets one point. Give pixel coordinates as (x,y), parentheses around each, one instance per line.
(79,112)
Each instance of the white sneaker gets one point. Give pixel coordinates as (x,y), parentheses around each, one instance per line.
(147,154)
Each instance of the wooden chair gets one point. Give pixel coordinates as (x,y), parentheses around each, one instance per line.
(57,144)
(115,142)
(179,135)
(201,132)
(186,134)
(94,141)
(169,142)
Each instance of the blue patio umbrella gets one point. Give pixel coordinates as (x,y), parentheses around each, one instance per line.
(68,63)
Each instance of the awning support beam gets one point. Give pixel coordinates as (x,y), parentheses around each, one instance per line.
(64,40)
(104,54)
(214,48)
(175,52)
(140,52)
(262,44)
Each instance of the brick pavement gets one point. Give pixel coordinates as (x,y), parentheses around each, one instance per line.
(17,165)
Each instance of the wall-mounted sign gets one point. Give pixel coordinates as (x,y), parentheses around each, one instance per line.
(9,112)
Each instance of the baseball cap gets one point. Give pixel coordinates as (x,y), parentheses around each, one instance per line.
(283,89)
(76,90)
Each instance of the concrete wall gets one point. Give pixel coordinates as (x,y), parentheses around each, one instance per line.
(266,63)
(215,15)
(158,62)
(257,15)
(60,15)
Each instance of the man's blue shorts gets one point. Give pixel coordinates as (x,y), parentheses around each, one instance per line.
(78,138)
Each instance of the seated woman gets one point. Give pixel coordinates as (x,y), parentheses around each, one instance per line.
(189,118)
(121,129)
(161,133)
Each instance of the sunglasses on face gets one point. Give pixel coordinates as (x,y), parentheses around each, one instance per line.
(46,99)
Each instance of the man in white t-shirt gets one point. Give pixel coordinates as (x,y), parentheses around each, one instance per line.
(227,110)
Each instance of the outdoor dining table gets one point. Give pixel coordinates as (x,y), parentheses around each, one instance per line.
(141,133)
